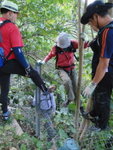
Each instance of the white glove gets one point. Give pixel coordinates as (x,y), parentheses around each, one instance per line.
(89,90)
(40,62)
(82,36)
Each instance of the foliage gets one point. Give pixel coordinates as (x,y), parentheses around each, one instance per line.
(98,140)
(40,22)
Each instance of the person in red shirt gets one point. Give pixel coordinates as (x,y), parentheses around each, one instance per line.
(65,59)
(15,62)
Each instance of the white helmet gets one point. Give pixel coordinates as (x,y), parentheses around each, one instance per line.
(63,40)
(9,5)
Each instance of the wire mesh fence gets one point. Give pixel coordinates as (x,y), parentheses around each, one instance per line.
(92,140)
(97,141)
(102,140)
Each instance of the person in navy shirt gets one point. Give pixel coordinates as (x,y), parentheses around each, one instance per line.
(100,88)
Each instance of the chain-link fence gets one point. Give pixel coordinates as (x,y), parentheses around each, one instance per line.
(102,140)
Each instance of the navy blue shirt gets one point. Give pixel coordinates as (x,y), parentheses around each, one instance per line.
(107,46)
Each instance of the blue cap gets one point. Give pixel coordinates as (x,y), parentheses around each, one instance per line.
(95,7)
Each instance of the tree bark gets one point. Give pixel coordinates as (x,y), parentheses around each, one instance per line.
(111,10)
(81,56)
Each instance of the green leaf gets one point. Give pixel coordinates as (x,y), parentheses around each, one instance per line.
(61,1)
(23,147)
(28,1)
(72,106)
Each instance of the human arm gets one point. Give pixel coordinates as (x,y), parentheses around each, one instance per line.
(76,44)
(51,54)
(100,72)
(102,67)
(21,58)
(29,70)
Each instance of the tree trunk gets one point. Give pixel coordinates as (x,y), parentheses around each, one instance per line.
(110,1)
(81,31)
(111,10)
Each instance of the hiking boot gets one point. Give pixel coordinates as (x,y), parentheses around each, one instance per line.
(6,115)
(94,129)
(66,103)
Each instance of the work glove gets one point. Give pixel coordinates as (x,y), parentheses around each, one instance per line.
(82,36)
(89,90)
(41,62)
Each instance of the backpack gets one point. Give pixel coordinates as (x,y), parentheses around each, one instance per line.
(68,49)
(3,58)
(46,103)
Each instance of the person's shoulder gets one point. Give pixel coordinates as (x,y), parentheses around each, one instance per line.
(74,43)
(12,25)
(110,33)
(54,47)
(111,30)
(13,28)
(107,34)
(5,22)
(108,28)
(73,40)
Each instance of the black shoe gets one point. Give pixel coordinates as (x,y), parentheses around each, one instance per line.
(94,129)
(87,116)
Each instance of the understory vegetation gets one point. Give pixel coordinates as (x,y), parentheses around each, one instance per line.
(40,22)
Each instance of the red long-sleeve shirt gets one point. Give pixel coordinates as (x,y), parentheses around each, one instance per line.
(65,58)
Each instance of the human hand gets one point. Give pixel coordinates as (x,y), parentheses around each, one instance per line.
(82,36)
(89,90)
(86,44)
(41,62)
